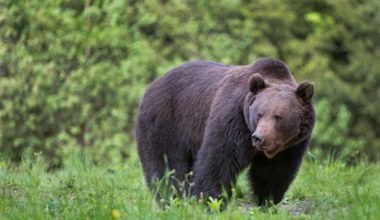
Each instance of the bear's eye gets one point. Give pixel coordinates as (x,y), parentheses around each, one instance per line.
(277,117)
(259,115)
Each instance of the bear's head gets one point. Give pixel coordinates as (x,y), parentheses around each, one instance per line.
(278,114)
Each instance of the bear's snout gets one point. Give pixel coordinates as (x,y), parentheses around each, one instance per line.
(257,139)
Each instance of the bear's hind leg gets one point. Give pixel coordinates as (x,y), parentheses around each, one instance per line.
(154,171)
(166,175)
(181,177)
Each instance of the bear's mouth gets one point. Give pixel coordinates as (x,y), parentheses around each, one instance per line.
(262,146)
(269,151)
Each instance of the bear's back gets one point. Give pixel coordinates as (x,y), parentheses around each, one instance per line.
(273,71)
(191,80)
(197,72)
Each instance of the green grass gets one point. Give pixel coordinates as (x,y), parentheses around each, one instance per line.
(85,191)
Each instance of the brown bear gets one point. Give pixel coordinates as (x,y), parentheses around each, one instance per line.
(216,120)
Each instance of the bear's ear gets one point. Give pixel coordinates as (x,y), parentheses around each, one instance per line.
(305,91)
(256,83)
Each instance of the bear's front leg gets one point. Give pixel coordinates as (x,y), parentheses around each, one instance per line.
(225,152)
(271,178)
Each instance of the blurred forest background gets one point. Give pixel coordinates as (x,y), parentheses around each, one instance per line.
(72,72)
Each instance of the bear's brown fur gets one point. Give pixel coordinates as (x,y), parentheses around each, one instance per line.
(216,120)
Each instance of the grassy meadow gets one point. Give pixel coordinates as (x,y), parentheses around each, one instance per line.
(82,190)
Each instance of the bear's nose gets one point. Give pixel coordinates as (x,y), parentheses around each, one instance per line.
(257,138)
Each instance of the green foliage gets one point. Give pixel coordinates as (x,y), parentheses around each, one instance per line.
(332,132)
(67,80)
(72,72)
(82,190)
